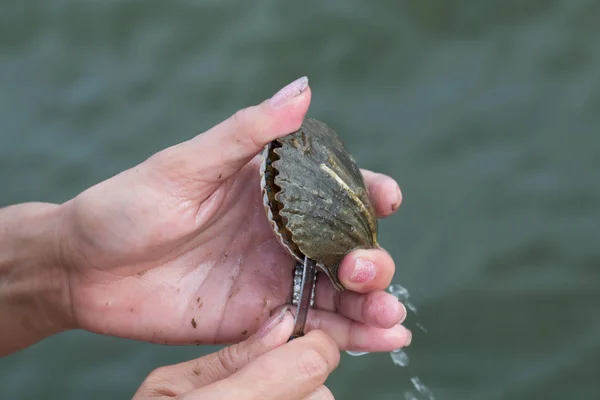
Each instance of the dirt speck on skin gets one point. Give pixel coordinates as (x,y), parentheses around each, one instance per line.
(245,332)
(234,292)
(141,273)
(198,300)
(197,371)
(265,304)
(396,205)
(131,310)
(200,305)
(220,175)
(194,323)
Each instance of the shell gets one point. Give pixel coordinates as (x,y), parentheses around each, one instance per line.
(315,197)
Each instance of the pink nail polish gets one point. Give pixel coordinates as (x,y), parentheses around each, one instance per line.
(273,322)
(364,271)
(292,90)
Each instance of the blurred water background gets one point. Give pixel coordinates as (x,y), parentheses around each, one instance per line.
(486,111)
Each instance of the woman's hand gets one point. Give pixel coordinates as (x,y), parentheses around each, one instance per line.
(179,250)
(261,367)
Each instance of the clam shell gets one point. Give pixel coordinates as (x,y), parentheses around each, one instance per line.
(315,197)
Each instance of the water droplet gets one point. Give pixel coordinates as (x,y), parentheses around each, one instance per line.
(399,291)
(421,327)
(411,306)
(356,353)
(399,357)
(421,388)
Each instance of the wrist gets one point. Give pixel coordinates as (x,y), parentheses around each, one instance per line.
(34,291)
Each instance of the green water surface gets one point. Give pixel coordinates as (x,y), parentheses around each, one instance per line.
(487,112)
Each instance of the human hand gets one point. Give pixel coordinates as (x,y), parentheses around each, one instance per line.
(178,249)
(261,367)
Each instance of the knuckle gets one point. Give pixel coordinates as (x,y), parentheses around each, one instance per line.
(313,365)
(240,117)
(244,122)
(227,358)
(163,156)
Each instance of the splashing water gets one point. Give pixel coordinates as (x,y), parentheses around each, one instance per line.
(399,356)
(356,353)
(402,294)
(421,327)
(399,291)
(422,389)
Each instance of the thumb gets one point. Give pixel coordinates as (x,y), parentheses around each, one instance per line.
(224,149)
(184,377)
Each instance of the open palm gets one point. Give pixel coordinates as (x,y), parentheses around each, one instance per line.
(178,249)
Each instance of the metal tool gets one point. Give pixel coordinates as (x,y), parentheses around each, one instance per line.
(304,293)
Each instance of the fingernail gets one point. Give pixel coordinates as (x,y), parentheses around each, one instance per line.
(402,311)
(292,90)
(273,322)
(408,337)
(364,271)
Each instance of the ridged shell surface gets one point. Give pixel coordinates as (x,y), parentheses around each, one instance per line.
(315,197)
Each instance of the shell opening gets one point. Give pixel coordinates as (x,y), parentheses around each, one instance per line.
(271,189)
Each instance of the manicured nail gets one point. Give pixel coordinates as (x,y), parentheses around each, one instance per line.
(292,90)
(364,271)
(273,322)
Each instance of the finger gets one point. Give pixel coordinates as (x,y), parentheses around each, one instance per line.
(292,371)
(322,393)
(189,375)
(379,309)
(219,365)
(384,192)
(222,150)
(353,335)
(365,271)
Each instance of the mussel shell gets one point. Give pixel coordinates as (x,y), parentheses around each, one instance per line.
(316,198)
